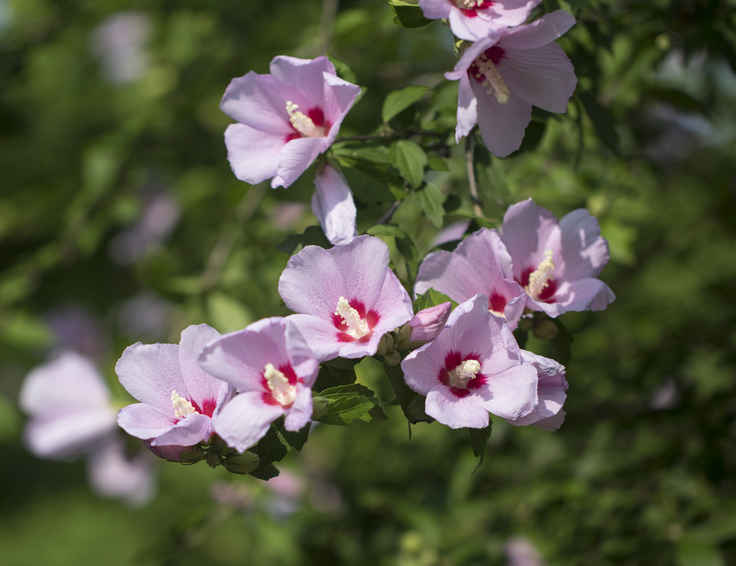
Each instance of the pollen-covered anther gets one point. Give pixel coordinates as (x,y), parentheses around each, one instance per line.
(539,278)
(182,407)
(357,326)
(492,80)
(303,123)
(469,4)
(463,373)
(283,391)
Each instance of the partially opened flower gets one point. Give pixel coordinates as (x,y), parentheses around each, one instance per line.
(503,75)
(551,392)
(273,370)
(178,398)
(475,19)
(285,119)
(472,368)
(479,265)
(347,297)
(112,473)
(332,204)
(557,263)
(429,322)
(69,408)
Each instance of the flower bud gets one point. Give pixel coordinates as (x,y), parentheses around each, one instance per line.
(428,323)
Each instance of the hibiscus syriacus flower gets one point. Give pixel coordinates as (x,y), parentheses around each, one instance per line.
(273,369)
(557,263)
(472,368)
(347,297)
(503,75)
(178,399)
(475,19)
(551,393)
(479,265)
(285,119)
(69,408)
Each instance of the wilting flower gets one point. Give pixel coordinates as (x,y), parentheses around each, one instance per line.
(551,393)
(332,204)
(69,408)
(479,265)
(112,473)
(557,263)
(347,297)
(285,119)
(472,368)
(178,398)
(475,19)
(503,75)
(429,322)
(273,370)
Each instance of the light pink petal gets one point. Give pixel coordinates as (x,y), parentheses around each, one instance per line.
(513,392)
(113,474)
(551,392)
(505,352)
(240,357)
(300,355)
(253,155)
(302,79)
(538,33)
(192,430)
(201,385)
(467,109)
(312,283)
(513,12)
(486,251)
(588,294)
(552,423)
(150,372)
(543,76)
(65,434)
(451,232)
(320,335)
(363,264)
(245,419)
(451,274)
(393,304)
(300,413)
(584,250)
(257,101)
(422,366)
(143,421)
(502,126)
(461,67)
(69,381)
(471,29)
(295,158)
(429,322)
(333,205)
(455,412)
(340,96)
(435,9)
(528,231)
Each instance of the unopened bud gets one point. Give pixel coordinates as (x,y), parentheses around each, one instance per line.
(545,330)
(428,323)
(392,358)
(386,345)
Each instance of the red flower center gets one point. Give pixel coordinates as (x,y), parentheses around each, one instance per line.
(459,376)
(470,8)
(317,117)
(275,392)
(546,295)
(355,316)
(497,303)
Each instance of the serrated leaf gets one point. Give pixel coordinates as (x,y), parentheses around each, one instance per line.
(410,160)
(345,404)
(431,298)
(399,100)
(269,450)
(431,199)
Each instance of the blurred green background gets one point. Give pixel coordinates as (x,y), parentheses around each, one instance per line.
(120,220)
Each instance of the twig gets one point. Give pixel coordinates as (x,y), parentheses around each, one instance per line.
(389,213)
(329,13)
(229,236)
(470,168)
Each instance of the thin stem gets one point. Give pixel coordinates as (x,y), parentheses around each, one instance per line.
(386,218)
(329,13)
(470,168)
(229,236)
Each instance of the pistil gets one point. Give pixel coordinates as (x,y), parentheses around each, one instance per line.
(303,123)
(182,407)
(539,278)
(357,326)
(463,373)
(282,391)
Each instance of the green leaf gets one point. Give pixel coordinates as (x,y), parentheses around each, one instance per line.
(269,450)
(343,70)
(244,463)
(431,298)
(431,199)
(295,439)
(227,314)
(312,235)
(335,372)
(409,158)
(345,404)
(479,441)
(602,120)
(409,14)
(411,403)
(400,100)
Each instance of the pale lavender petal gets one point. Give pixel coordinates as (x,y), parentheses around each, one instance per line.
(505,352)
(150,372)
(63,434)
(451,232)
(467,108)
(486,251)
(543,76)
(68,382)
(469,55)
(455,412)
(312,283)
(552,423)
(299,354)
(538,33)
(422,366)
(502,126)
(584,250)
(245,419)
(363,264)
(320,335)
(451,274)
(253,155)
(435,9)
(143,421)
(471,328)
(528,230)
(113,474)
(302,79)
(551,391)
(429,322)
(200,384)
(513,392)
(340,96)
(511,13)
(300,413)
(256,101)
(295,158)
(588,294)
(393,304)
(192,430)
(333,205)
